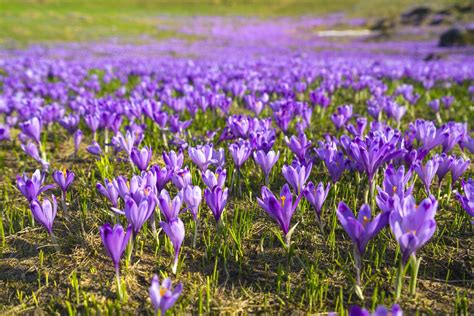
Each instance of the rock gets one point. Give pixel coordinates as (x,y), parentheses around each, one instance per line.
(457,36)
(383,25)
(415,16)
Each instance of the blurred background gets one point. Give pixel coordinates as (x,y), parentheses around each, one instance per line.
(32,21)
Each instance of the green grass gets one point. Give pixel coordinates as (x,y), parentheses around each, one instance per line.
(32,21)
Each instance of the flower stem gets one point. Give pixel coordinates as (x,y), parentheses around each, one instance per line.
(415,266)
(196,224)
(119,284)
(63,201)
(358,266)
(399,281)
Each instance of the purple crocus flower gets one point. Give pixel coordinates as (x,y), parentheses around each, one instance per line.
(434,105)
(115,240)
(141,158)
(201,156)
(316,195)
(181,178)
(444,165)
(428,134)
(173,160)
(109,191)
(32,188)
(216,199)
(4,132)
(297,176)
(169,208)
(77,140)
(192,196)
(163,176)
(31,149)
(363,228)
(45,212)
(394,184)
(359,128)
(162,296)
(333,159)
(280,209)
(32,129)
(138,214)
(299,146)
(413,225)
(218,157)
(211,179)
(174,229)
(380,311)
(266,161)
(343,114)
(374,150)
(63,179)
(94,149)
(467,200)
(240,153)
(458,168)
(426,172)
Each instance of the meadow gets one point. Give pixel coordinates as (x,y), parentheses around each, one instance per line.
(160,158)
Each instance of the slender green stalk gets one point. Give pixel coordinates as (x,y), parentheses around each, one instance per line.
(399,281)
(415,266)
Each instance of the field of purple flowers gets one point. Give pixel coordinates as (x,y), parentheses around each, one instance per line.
(221,175)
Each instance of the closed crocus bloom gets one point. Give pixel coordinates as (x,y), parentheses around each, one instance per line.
(298,145)
(240,153)
(216,199)
(316,195)
(429,135)
(163,176)
(181,178)
(192,196)
(467,200)
(141,158)
(4,132)
(444,165)
(363,228)
(174,229)
(169,208)
(266,160)
(211,179)
(123,186)
(296,176)
(412,224)
(173,160)
(427,172)
(138,214)
(32,128)
(63,179)
(31,150)
(32,187)
(394,184)
(126,142)
(281,209)
(94,149)
(115,241)
(45,212)
(109,191)
(218,157)
(162,296)
(201,156)
(78,135)
(458,168)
